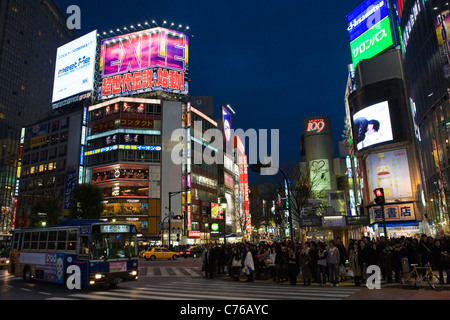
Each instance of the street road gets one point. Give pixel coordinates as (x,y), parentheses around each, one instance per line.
(183,280)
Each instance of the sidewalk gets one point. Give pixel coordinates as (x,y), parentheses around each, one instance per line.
(348,283)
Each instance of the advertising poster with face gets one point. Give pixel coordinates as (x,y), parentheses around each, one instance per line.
(390,171)
(372,125)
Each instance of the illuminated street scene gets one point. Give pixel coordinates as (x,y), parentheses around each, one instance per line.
(212,152)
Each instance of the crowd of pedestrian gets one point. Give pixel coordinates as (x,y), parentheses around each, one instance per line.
(324,262)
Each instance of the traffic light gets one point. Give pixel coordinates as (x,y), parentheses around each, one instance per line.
(177,217)
(379,196)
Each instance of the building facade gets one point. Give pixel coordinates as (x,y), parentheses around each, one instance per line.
(30,32)
(424,30)
(49,161)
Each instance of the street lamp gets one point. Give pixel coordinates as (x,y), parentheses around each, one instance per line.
(170,211)
(223,205)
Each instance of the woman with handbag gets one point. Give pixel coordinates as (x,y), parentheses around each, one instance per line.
(354,266)
(249,265)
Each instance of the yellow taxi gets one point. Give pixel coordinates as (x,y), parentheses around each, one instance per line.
(160,253)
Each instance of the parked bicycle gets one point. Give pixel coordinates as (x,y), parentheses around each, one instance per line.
(420,274)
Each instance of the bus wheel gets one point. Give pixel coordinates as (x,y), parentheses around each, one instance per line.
(27,277)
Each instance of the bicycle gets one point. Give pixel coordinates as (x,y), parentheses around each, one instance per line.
(420,274)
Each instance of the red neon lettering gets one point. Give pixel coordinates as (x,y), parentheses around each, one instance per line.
(116,84)
(137,81)
(315,126)
(126,82)
(106,86)
(174,80)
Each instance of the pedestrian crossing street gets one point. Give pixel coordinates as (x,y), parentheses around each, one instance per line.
(203,289)
(190,284)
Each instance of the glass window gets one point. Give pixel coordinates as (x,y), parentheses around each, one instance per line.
(27,240)
(52,240)
(43,240)
(62,238)
(72,240)
(112,245)
(84,245)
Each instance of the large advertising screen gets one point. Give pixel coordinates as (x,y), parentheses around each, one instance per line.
(441,23)
(74,68)
(149,60)
(369,29)
(372,125)
(390,171)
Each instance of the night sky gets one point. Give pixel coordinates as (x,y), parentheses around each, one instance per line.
(274,62)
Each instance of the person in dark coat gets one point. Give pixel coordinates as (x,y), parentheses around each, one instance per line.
(364,258)
(314,254)
(398,254)
(293,266)
(210,260)
(437,259)
(305,266)
(424,250)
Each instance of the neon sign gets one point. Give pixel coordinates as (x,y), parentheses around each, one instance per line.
(315,125)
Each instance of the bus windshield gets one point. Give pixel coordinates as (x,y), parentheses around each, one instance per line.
(113,242)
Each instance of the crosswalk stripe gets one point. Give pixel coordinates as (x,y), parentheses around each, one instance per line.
(169,272)
(182,290)
(274,292)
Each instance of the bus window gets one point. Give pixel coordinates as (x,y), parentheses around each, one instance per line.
(84,245)
(52,240)
(43,240)
(72,240)
(62,239)
(34,240)
(17,240)
(26,241)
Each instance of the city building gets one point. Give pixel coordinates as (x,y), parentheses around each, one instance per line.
(200,178)
(30,33)
(383,153)
(48,164)
(424,30)
(128,152)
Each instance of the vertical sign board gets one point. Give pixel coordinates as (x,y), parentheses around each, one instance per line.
(227,142)
(370,30)
(71,178)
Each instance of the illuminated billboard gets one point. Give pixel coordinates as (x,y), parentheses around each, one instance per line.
(74,68)
(372,125)
(144,61)
(390,171)
(319,175)
(369,29)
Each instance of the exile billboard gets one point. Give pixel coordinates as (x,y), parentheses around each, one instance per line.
(370,30)
(145,61)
